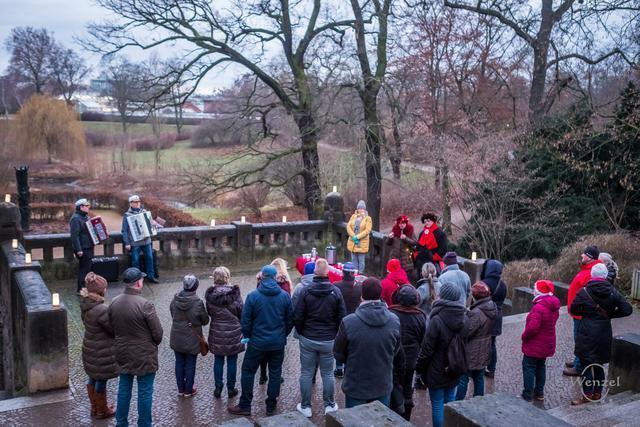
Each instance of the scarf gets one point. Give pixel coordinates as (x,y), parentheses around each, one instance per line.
(427,239)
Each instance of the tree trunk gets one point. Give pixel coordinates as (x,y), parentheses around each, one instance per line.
(396,153)
(540,63)
(310,162)
(373,141)
(446,199)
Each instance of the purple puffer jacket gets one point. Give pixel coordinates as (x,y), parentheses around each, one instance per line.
(539,336)
(224,305)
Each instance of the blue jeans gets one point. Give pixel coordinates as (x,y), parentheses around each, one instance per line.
(250,364)
(440,396)
(493,360)
(576,361)
(350,402)
(358,261)
(98,385)
(148,258)
(185,371)
(534,376)
(145,399)
(218,370)
(314,354)
(593,379)
(478,384)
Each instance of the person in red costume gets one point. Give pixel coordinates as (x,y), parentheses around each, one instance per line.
(432,243)
(400,242)
(588,259)
(395,278)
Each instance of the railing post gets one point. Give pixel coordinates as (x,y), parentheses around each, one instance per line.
(244,242)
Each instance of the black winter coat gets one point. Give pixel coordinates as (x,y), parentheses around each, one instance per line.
(351,294)
(447,319)
(189,315)
(80,238)
(413,325)
(319,311)
(224,305)
(98,345)
(480,320)
(598,302)
(424,255)
(491,275)
(369,344)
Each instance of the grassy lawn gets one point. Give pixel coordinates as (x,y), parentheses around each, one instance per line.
(207,214)
(133,128)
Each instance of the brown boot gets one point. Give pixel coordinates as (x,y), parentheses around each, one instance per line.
(92,398)
(103,409)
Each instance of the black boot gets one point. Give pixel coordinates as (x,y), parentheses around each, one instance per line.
(408,407)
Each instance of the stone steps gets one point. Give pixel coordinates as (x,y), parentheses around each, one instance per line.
(620,409)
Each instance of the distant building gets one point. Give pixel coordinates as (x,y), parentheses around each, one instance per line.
(99,85)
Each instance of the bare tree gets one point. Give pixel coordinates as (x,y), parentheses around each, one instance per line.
(238,34)
(124,87)
(30,51)
(549,30)
(369,88)
(68,70)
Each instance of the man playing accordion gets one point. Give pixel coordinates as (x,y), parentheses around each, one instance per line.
(137,229)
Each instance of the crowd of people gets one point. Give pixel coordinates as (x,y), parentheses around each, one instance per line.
(428,328)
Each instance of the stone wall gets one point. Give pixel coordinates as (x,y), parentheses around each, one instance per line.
(35,341)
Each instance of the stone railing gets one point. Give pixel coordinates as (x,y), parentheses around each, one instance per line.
(34,332)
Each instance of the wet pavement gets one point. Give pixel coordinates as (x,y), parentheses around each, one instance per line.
(205,410)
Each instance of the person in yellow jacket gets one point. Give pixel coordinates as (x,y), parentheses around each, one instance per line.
(359,228)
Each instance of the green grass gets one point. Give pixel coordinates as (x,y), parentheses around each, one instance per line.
(207,214)
(132,128)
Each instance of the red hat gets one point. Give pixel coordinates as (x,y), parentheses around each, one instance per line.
(401,219)
(545,286)
(393,265)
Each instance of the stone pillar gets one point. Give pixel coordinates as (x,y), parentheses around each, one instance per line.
(24,197)
(624,367)
(334,214)
(472,268)
(244,242)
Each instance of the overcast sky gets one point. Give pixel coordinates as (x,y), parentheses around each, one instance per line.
(67,19)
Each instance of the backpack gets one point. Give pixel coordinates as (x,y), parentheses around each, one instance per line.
(456,357)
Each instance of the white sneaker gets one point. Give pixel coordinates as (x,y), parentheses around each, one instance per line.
(332,408)
(304,411)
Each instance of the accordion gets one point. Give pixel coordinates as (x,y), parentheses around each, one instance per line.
(141,226)
(97,230)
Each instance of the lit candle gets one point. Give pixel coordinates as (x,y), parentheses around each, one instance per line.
(335,188)
(14,243)
(7,198)
(27,258)
(284,218)
(242,219)
(55,300)
(213,222)
(474,256)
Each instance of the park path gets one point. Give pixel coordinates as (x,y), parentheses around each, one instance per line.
(204,410)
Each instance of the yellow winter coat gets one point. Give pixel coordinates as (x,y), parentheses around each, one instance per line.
(363,235)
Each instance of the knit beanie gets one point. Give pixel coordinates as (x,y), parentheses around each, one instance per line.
(371,289)
(190,283)
(309,267)
(450,258)
(480,290)
(592,251)
(543,287)
(393,265)
(361,205)
(599,271)
(450,291)
(95,283)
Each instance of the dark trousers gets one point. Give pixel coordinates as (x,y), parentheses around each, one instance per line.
(493,360)
(185,371)
(534,376)
(84,266)
(250,364)
(593,379)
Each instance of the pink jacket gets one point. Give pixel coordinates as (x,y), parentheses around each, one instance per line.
(539,336)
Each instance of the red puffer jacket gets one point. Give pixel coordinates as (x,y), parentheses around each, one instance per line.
(391,283)
(578,282)
(539,336)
